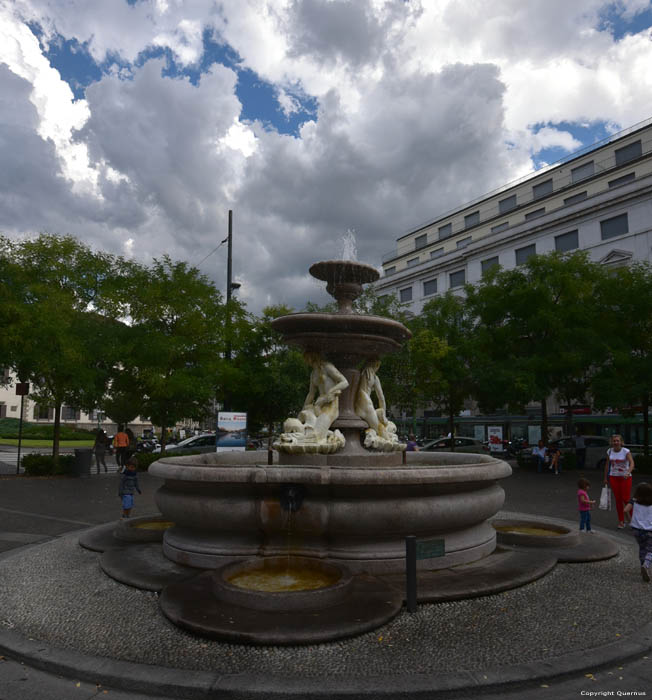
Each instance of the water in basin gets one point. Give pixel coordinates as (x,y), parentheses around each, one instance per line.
(277,580)
(528,530)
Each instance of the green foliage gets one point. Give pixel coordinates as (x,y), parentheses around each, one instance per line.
(48,465)
(268,379)
(41,431)
(624,379)
(537,330)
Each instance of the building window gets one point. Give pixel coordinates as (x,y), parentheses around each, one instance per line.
(445,231)
(488,264)
(542,189)
(69,413)
(456,279)
(535,214)
(436,253)
(567,241)
(43,412)
(582,172)
(500,227)
(522,254)
(507,204)
(421,241)
(615,226)
(405,294)
(429,287)
(573,199)
(628,152)
(412,262)
(464,242)
(390,270)
(472,219)
(622,180)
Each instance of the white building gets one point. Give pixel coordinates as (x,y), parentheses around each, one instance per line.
(34,412)
(598,200)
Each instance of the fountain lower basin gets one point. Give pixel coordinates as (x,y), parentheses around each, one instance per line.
(227,508)
(282,584)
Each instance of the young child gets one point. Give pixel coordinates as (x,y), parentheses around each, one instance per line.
(128,484)
(584,503)
(640,508)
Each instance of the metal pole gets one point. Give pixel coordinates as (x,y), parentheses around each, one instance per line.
(229,283)
(20,434)
(229,258)
(411,573)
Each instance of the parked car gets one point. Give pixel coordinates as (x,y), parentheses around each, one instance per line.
(196,443)
(462,444)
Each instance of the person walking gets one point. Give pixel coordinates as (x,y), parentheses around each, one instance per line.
(412,444)
(121,444)
(580,451)
(128,486)
(640,511)
(99,448)
(618,470)
(584,504)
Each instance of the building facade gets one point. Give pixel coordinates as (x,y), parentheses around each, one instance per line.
(34,412)
(598,200)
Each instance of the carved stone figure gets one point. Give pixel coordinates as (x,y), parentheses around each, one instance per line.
(381,433)
(310,431)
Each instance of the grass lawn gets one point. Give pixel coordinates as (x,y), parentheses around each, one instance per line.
(45,443)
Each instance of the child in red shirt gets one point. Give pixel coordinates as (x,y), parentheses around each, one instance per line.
(584,504)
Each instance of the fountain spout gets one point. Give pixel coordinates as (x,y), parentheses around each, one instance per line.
(291,497)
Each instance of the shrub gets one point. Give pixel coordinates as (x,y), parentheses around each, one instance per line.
(47,465)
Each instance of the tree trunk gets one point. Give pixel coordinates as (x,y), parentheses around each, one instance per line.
(569,417)
(451,428)
(164,433)
(646,426)
(57,429)
(544,421)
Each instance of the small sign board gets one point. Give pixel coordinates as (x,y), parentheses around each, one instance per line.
(22,388)
(428,549)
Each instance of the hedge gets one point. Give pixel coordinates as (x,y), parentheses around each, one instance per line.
(47,465)
(41,431)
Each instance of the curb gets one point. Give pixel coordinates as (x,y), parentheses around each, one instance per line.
(124,675)
(201,685)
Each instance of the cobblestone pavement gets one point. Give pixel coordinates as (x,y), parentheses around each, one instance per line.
(39,509)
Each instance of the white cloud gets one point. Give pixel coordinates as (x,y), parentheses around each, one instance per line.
(416,105)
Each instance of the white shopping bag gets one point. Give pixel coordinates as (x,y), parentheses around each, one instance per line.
(605,498)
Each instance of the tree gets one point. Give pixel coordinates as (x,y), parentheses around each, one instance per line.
(538,325)
(55,284)
(176,340)
(624,380)
(271,378)
(444,349)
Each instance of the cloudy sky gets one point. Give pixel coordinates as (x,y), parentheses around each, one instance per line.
(137,124)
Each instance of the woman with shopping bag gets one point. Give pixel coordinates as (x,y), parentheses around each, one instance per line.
(618,474)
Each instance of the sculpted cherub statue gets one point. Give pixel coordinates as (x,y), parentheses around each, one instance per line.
(310,431)
(381,433)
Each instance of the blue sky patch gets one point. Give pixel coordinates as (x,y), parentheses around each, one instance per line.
(587,133)
(257,96)
(611,20)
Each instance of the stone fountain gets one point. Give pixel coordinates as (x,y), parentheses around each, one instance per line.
(359,500)
(312,547)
